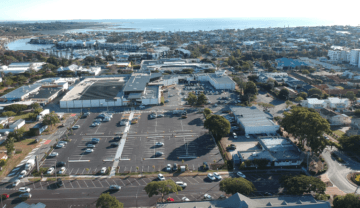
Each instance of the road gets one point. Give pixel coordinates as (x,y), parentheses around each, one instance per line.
(337,172)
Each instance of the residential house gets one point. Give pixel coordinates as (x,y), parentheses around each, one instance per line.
(335,118)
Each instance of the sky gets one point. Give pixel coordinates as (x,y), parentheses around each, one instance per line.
(343,12)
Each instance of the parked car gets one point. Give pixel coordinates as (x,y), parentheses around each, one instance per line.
(50,170)
(211,177)
(141,106)
(205,166)
(166,101)
(114,144)
(168,167)
(114,187)
(231,147)
(59,182)
(160,115)
(217,176)
(22,174)
(95,124)
(5,196)
(90,146)
(53,154)
(62,142)
(25,195)
(117,138)
(76,127)
(89,150)
(16,182)
(240,174)
(24,189)
(103,170)
(207,197)
(234,135)
(159,144)
(161,177)
(60,164)
(175,167)
(158,154)
(181,184)
(59,146)
(62,170)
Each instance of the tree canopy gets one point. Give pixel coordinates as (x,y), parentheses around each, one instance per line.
(237,185)
(107,201)
(201,99)
(10,146)
(218,126)
(192,99)
(300,184)
(51,119)
(284,94)
(308,126)
(250,88)
(350,143)
(17,134)
(161,187)
(315,93)
(350,95)
(347,201)
(17,108)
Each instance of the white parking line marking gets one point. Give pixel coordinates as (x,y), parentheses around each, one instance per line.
(78,183)
(100,183)
(77,171)
(107,182)
(138,182)
(93,183)
(86,183)
(122,182)
(71,184)
(114,182)
(129,182)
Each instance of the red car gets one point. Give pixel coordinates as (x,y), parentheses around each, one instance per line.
(170,199)
(5,196)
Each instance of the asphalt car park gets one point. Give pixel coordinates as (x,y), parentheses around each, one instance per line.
(185,139)
(73,153)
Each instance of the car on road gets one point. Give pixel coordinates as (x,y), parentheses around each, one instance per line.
(62,170)
(211,176)
(50,170)
(89,150)
(159,144)
(114,187)
(103,170)
(90,146)
(15,183)
(234,135)
(185,199)
(207,197)
(59,146)
(160,115)
(53,154)
(168,167)
(117,138)
(59,182)
(114,144)
(181,184)
(76,127)
(22,174)
(25,195)
(158,154)
(24,189)
(240,174)
(217,176)
(161,177)
(60,164)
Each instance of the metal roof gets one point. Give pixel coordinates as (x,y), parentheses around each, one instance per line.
(136,83)
(21,91)
(251,116)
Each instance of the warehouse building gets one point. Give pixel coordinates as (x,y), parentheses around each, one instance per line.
(253,121)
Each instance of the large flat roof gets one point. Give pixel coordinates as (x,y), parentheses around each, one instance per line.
(136,83)
(251,116)
(21,91)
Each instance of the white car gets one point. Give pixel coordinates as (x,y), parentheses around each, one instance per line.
(159,144)
(168,167)
(207,197)
(50,170)
(59,145)
(181,184)
(240,174)
(114,187)
(62,142)
(217,176)
(76,127)
(62,170)
(161,177)
(53,154)
(234,135)
(89,150)
(22,174)
(185,199)
(103,170)
(16,182)
(211,177)
(90,146)
(160,115)
(24,189)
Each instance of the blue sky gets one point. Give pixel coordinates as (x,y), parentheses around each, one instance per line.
(344,11)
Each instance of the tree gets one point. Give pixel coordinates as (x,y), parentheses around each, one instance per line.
(350,143)
(303,95)
(37,111)
(17,108)
(357,112)
(8,114)
(253,78)
(10,147)
(284,94)
(161,187)
(250,88)
(51,119)
(350,95)
(266,106)
(288,103)
(201,99)
(218,126)
(308,126)
(207,112)
(347,201)
(35,106)
(237,185)
(191,99)
(300,184)
(315,93)
(17,134)
(107,201)
(299,99)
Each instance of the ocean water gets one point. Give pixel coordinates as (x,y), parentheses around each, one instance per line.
(23,44)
